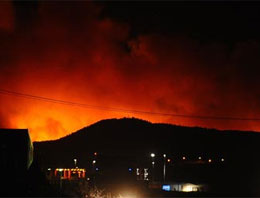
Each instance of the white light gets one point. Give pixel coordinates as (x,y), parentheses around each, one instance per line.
(153,163)
(184,158)
(127,195)
(94,161)
(137,171)
(49,169)
(152,155)
(199,158)
(146,173)
(164,155)
(75,160)
(222,160)
(210,160)
(189,188)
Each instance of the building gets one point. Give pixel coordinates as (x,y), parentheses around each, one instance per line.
(66,174)
(184,187)
(70,173)
(16,150)
(16,157)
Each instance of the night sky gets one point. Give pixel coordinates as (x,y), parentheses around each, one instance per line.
(181,58)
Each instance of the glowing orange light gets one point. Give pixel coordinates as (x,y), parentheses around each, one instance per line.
(108,77)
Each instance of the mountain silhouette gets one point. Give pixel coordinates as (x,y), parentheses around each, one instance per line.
(128,142)
(135,137)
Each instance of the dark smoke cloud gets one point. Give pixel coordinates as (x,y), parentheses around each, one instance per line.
(69,52)
(6,16)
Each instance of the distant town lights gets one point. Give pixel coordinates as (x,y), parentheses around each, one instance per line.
(209,160)
(200,158)
(164,155)
(183,158)
(168,160)
(152,155)
(94,161)
(70,169)
(153,163)
(222,160)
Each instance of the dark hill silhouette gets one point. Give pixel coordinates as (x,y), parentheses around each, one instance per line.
(128,143)
(135,137)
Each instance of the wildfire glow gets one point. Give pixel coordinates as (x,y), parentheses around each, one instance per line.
(95,61)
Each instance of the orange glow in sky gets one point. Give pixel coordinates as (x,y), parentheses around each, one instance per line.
(95,61)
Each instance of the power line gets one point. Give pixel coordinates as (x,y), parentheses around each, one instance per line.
(64,102)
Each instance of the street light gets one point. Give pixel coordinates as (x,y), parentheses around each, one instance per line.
(94,163)
(164,167)
(94,171)
(75,162)
(153,156)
